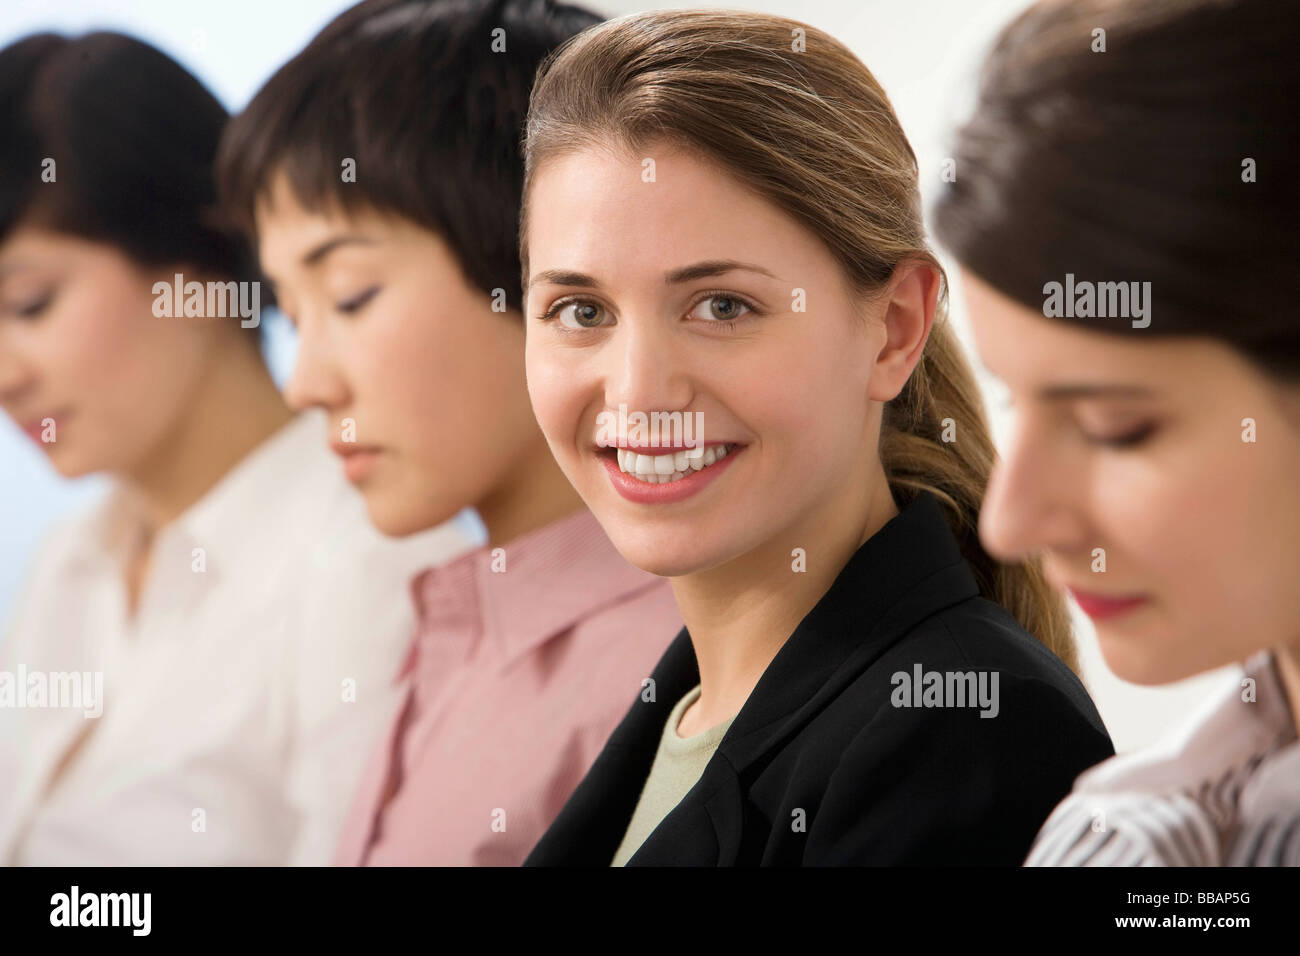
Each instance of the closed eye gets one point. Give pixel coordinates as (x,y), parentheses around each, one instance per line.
(1130,439)
(358,301)
(32,308)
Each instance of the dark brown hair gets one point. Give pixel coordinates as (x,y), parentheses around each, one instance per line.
(1132,165)
(413,91)
(813,133)
(133,137)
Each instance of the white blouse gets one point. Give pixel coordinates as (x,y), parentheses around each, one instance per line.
(237,708)
(1224,790)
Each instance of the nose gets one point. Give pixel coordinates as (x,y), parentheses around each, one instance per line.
(316,379)
(647,370)
(1033,502)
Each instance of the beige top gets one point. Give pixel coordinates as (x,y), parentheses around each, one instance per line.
(677,767)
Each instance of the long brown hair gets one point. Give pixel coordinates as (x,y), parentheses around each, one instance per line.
(793,113)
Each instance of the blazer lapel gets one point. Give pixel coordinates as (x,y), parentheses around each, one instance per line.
(910,569)
(705,829)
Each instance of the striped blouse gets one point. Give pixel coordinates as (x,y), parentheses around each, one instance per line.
(1222,791)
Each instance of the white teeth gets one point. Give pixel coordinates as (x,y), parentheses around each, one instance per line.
(658,469)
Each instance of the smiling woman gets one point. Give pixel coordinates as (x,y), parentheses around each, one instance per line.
(721,218)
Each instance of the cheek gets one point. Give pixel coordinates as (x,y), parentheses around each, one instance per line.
(804,396)
(445,382)
(1199,526)
(560,392)
(1249,531)
(127,374)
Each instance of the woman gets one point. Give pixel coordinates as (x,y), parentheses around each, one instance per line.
(722,223)
(228,670)
(525,648)
(1133,302)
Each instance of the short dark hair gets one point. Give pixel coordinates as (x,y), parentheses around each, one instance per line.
(1128,165)
(413,92)
(133,137)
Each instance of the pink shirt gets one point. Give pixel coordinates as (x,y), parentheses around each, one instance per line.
(524,660)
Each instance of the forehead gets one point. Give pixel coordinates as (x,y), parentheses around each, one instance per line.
(32,250)
(281,216)
(601,211)
(31,245)
(1022,346)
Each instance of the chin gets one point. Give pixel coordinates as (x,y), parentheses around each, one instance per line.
(71,466)
(670,554)
(399,519)
(390,521)
(1153,664)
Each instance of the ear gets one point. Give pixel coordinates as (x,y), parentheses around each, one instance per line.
(910,302)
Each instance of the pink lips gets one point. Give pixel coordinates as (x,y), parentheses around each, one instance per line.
(1098,607)
(358,460)
(35,428)
(641,492)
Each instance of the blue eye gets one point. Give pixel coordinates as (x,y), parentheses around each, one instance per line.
(355,304)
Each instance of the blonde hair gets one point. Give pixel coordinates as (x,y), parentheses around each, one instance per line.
(791,111)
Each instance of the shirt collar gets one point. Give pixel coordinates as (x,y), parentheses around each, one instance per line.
(249,490)
(1228,731)
(532,588)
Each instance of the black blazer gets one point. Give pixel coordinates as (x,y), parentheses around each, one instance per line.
(821,767)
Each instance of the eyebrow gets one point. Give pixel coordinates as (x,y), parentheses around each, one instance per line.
(319,252)
(329,245)
(698,270)
(1071,391)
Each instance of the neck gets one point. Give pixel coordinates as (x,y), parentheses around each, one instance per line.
(741,613)
(1288,666)
(534,493)
(234,408)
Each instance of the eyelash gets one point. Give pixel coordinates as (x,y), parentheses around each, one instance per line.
(1130,440)
(34,310)
(1123,442)
(728,324)
(355,304)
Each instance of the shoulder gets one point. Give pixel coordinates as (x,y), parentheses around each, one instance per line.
(952,746)
(1127,829)
(975,659)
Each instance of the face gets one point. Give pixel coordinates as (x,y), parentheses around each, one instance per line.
(83,359)
(1133,451)
(422,381)
(687,295)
